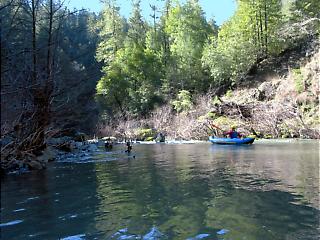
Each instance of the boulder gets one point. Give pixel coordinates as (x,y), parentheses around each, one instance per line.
(91,147)
(66,131)
(160,137)
(66,147)
(58,141)
(35,165)
(80,137)
(266,91)
(49,154)
(78,145)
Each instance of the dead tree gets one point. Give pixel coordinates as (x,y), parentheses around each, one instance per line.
(28,130)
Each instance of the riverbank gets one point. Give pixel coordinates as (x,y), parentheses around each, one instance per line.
(185,128)
(15,160)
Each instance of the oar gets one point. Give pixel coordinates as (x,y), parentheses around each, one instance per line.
(215,126)
(254,133)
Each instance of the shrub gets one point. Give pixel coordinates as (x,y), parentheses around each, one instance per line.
(183,101)
(216,101)
(298,80)
(145,134)
(211,115)
(229,93)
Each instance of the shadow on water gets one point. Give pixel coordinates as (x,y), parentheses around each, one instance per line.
(51,204)
(197,191)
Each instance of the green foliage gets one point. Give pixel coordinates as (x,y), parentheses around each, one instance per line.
(306,8)
(211,115)
(112,33)
(112,89)
(133,73)
(218,63)
(301,21)
(267,136)
(298,80)
(132,79)
(188,31)
(183,101)
(202,118)
(142,68)
(225,122)
(137,26)
(310,113)
(216,101)
(229,93)
(249,35)
(147,134)
(182,52)
(285,131)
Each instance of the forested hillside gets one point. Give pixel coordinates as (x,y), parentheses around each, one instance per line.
(181,58)
(66,71)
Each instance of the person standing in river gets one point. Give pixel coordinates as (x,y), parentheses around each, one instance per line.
(129,147)
(108,144)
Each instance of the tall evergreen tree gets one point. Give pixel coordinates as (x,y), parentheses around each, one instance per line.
(112,32)
(247,38)
(137,26)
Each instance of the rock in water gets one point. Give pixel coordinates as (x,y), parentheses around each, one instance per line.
(154,234)
(48,155)
(33,164)
(199,236)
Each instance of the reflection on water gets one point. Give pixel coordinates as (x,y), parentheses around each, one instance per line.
(168,191)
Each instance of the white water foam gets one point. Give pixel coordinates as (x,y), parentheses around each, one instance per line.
(11,223)
(74,237)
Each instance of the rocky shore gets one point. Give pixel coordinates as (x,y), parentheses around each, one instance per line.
(15,161)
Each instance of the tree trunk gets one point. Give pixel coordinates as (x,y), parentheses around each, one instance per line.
(261,30)
(259,46)
(34,46)
(266,28)
(49,82)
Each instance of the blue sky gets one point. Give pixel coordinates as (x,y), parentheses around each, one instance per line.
(221,10)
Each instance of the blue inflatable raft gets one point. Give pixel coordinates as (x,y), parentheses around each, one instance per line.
(234,141)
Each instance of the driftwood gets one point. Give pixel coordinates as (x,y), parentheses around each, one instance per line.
(27,135)
(21,150)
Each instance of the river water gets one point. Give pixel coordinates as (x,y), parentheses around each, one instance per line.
(268,190)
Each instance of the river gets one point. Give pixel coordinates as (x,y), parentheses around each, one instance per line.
(268,190)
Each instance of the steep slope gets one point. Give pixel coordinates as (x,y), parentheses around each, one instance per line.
(281,98)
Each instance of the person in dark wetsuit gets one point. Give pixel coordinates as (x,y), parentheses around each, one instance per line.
(232,133)
(129,147)
(108,144)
